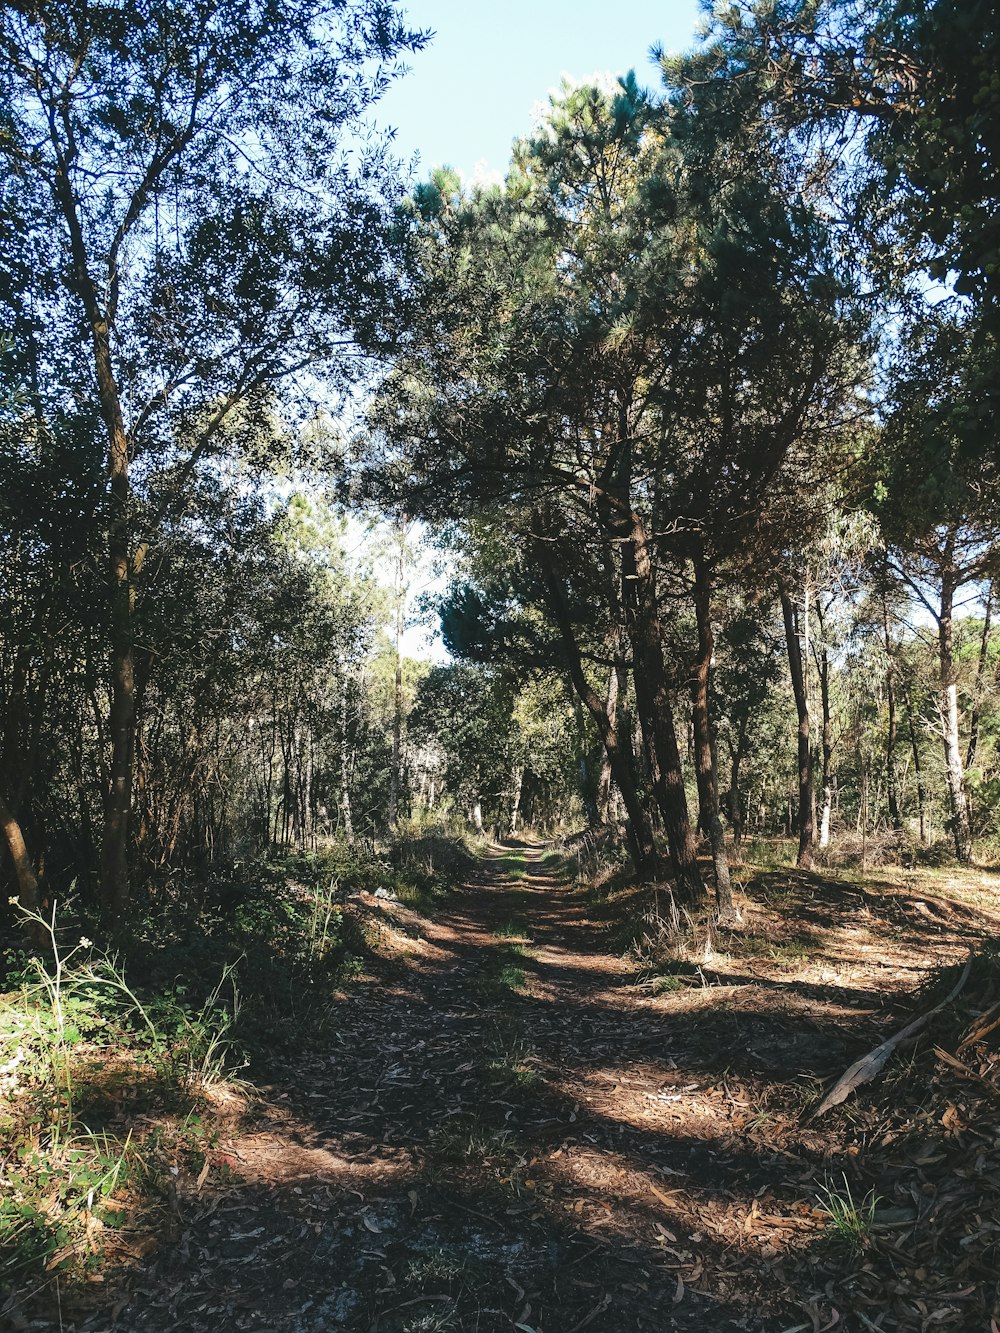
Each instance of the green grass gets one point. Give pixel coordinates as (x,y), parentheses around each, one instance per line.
(515,1073)
(850,1224)
(520,949)
(80,1049)
(116,1068)
(769,853)
(515,866)
(667,984)
(512,977)
(474,1140)
(512,930)
(794,949)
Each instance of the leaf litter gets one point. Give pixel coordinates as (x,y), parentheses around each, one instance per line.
(578,1153)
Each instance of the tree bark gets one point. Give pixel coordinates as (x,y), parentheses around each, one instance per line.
(28,894)
(796,664)
(826,782)
(705,766)
(640,835)
(891,785)
(656,720)
(517,781)
(476,815)
(605,778)
(918,771)
(735,802)
(984,648)
(948,705)
(345,765)
(395,777)
(114,879)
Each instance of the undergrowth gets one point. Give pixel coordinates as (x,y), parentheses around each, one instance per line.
(119,1065)
(84,1061)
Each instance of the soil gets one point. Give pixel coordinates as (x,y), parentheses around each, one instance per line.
(512,1126)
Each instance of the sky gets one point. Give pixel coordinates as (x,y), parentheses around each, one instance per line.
(474,88)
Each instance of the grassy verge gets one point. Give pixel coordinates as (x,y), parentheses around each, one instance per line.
(121,1068)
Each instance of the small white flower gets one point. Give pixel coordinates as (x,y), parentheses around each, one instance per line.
(85,943)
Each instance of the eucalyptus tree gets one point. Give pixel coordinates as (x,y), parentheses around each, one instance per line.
(52,623)
(189,214)
(939,505)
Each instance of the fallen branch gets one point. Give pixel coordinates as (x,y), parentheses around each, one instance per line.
(872,1064)
(982,1027)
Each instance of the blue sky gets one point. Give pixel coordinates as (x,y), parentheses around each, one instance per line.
(472,91)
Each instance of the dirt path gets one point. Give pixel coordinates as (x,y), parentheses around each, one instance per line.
(506,1133)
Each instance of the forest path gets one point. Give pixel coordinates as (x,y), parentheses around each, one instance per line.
(505,1132)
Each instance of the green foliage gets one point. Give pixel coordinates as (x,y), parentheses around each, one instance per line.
(850,1223)
(220,148)
(511,977)
(73,1033)
(512,930)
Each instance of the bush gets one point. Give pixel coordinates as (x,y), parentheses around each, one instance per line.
(78,1047)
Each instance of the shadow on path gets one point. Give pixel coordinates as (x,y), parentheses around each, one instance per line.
(507,1134)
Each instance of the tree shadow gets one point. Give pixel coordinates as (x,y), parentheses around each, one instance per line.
(554,1155)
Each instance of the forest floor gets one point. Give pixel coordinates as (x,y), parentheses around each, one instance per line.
(515,1125)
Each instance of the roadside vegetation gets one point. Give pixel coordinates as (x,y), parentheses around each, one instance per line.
(624,955)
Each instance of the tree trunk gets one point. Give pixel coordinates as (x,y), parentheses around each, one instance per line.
(640,835)
(476,815)
(604,781)
(735,802)
(114,885)
(827,749)
(395,778)
(345,767)
(114,880)
(517,781)
(24,872)
(656,721)
(705,767)
(918,771)
(796,664)
(948,705)
(891,785)
(984,648)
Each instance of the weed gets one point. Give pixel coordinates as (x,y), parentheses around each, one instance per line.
(436,1321)
(74,1035)
(511,977)
(667,984)
(520,949)
(849,1223)
(769,853)
(515,865)
(439,1266)
(796,949)
(474,1140)
(513,1064)
(758,1120)
(512,930)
